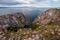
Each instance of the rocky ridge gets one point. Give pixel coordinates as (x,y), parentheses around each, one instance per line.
(45,27)
(49,24)
(13,20)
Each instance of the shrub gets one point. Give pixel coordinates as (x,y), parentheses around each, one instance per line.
(34,26)
(20,18)
(27,26)
(13,29)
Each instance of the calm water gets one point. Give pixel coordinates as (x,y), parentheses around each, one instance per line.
(30,13)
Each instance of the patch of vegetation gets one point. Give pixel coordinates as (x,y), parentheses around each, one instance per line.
(13,29)
(27,26)
(47,34)
(34,26)
(20,18)
(50,23)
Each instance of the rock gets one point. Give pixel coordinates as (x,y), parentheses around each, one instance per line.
(52,15)
(49,24)
(13,20)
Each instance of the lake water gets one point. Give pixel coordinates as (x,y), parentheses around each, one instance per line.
(30,13)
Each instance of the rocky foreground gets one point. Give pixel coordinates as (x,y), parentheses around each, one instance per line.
(45,27)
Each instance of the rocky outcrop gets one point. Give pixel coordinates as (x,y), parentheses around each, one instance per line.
(49,15)
(11,23)
(13,20)
(49,24)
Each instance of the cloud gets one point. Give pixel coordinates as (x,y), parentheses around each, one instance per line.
(9,2)
(29,3)
(56,0)
(19,1)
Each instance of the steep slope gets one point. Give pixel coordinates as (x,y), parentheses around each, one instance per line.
(13,20)
(49,15)
(49,24)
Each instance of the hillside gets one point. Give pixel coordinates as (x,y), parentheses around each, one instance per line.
(49,24)
(46,26)
(10,21)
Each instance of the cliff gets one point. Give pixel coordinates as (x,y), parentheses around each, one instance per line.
(49,24)
(13,20)
(49,15)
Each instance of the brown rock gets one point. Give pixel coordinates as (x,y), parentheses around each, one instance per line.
(13,20)
(49,24)
(49,15)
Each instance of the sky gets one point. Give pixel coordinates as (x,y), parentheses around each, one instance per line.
(30,3)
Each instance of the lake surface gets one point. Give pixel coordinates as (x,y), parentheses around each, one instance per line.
(30,13)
